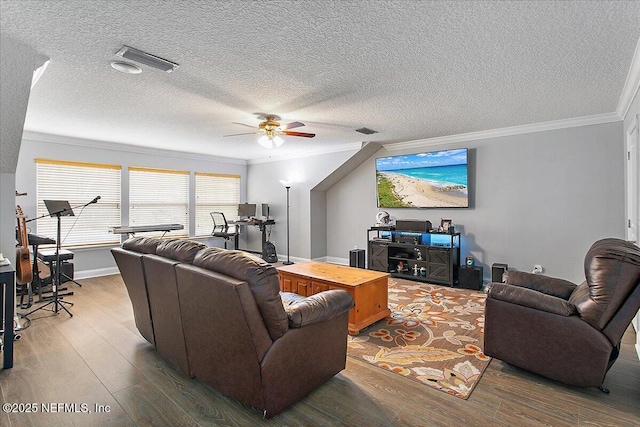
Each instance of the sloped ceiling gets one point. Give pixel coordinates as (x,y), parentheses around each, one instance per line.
(410,70)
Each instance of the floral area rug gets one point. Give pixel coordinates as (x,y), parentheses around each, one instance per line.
(434,335)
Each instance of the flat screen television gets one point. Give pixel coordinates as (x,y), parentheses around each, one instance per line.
(437,179)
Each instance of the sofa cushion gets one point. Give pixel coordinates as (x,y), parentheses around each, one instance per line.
(179,249)
(317,308)
(261,276)
(530,298)
(539,282)
(145,245)
(289,299)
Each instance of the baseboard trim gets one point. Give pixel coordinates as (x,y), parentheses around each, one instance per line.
(98,272)
(293,259)
(337,260)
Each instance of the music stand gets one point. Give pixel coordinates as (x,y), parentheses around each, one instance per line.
(57,208)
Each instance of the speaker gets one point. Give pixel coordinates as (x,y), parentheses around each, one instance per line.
(356,258)
(413,225)
(269,252)
(497,270)
(66,272)
(470,278)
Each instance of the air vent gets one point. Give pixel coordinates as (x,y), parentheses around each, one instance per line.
(366,131)
(147,59)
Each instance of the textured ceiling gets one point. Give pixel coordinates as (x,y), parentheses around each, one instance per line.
(410,70)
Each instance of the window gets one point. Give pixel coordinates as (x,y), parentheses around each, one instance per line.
(159,196)
(79,183)
(215,193)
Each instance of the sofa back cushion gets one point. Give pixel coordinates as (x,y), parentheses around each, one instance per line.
(262,278)
(133,275)
(144,245)
(225,335)
(612,270)
(179,249)
(162,289)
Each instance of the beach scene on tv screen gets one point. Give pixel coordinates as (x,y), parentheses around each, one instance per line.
(427,180)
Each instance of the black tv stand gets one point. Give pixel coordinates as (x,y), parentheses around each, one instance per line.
(427,257)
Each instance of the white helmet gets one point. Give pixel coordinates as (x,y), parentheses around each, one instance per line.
(383,217)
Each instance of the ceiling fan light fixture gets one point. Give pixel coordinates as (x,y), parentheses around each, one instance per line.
(272,131)
(265,141)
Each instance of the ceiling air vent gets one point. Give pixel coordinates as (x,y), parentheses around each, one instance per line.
(366,131)
(147,59)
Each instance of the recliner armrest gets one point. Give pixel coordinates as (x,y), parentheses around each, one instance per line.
(316,308)
(530,298)
(538,282)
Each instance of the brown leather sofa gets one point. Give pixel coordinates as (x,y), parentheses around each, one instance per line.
(570,333)
(218,316)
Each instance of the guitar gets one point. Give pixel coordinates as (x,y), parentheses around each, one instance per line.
(24,274)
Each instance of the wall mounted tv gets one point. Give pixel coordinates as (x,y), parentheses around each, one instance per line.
(437,179)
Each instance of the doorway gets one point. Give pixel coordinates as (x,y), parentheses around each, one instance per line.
(633,180)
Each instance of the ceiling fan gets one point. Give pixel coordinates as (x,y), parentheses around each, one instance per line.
(271,130)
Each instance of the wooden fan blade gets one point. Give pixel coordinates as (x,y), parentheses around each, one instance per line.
(302,134)
(292,125)
(242,124)
(238,134)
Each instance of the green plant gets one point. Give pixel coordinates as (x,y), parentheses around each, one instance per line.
(387,198)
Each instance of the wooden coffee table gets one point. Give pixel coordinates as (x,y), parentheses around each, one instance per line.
(369,289)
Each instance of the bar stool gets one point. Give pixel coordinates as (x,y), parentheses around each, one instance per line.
(48,256)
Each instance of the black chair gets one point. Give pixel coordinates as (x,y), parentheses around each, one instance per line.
(222,229)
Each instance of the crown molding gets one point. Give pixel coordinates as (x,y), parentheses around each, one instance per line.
(310,153)
(508,131)
(631,85)
(127,148)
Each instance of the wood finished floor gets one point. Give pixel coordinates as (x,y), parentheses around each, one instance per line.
(98,357)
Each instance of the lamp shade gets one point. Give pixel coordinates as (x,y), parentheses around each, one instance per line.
(265,141)
(270,141)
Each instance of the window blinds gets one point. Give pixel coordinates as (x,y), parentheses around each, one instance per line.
(159,196)
(215,193)
(79,183)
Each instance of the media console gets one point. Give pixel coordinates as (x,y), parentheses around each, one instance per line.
(415,255)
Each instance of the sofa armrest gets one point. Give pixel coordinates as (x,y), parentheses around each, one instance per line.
(316,308)
(530,298)
(538,282)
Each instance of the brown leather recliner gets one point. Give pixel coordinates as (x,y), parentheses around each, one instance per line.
(566,332)
(218,316)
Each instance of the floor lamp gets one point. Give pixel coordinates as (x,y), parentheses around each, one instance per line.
(287,185)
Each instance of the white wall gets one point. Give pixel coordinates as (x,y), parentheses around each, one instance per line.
(536,198)
(263,186)
(95,261)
